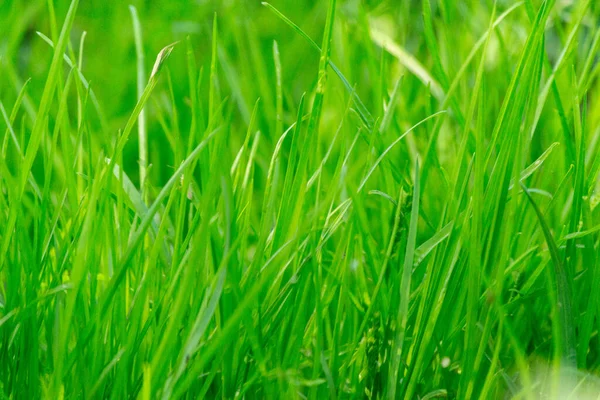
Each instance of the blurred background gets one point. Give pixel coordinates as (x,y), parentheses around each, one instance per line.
(245,65)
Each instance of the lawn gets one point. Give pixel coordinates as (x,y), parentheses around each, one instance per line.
(300,199)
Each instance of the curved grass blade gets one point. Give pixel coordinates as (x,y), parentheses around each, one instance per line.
(566,320)
(362,110)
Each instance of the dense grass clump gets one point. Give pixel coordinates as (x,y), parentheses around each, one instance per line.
(302,199)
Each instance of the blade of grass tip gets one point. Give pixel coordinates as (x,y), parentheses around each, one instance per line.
(250,163)
(83,80)
(384,195)
(162,56)
(234,170)
(566,319)
(10,133)
(267,208)
(428,246)
(80,67)
(141,83)
(9,121)
(269,197)
(534,166)
(279,106)
(389,112)
(405,282)
(362,110)
(39,127)
(579,234)
(589,62)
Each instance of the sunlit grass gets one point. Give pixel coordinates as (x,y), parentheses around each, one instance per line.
(288,200)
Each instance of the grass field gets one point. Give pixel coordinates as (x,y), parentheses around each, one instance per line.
(332,199)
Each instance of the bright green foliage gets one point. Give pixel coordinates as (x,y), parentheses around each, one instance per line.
(299,199)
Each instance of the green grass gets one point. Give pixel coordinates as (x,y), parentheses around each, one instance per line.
(337,199)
